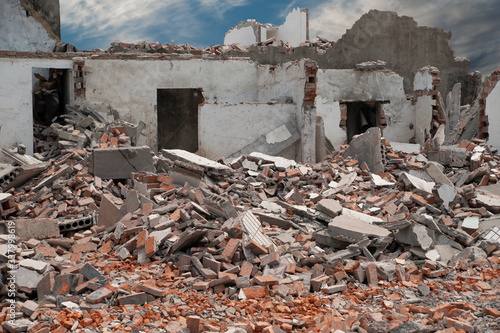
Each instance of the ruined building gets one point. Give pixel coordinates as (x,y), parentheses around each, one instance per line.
(322,101)
(272,184)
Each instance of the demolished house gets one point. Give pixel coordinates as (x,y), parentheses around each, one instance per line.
(334,189)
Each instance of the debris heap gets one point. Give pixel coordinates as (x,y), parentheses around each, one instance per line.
(111,237)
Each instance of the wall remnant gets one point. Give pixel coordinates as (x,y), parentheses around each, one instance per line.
(29,25)
(293,32)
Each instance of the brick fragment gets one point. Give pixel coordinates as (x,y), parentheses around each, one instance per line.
(194,324)
(230,249)
(255,292)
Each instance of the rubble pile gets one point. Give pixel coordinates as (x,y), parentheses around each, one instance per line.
(113,238)
(320,44)
(81,128)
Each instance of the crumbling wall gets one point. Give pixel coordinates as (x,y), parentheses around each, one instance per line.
(244,34)
(336,86)
(226,128)
(130,86)
(295,30)
(381,35)
(16,100)
(29,26)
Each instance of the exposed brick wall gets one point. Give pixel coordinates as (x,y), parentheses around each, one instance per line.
(311,79)
(79,77)
(488,86)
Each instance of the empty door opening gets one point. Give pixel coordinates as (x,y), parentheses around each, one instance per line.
(360,116)
(178,118)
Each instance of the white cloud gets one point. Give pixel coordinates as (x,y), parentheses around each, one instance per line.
(127,20)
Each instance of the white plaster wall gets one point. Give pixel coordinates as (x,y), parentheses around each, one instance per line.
(330,112)
(423,118)
(493,112)
(294,30)
(20,32)
(351,85)
(282,80)
(226,128)
(16,101)
(243,36)
(130,86)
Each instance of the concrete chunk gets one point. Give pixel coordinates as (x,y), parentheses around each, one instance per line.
(119,163)
(367,148)
(351,230)
(109,211)
(330,207)
(205,163)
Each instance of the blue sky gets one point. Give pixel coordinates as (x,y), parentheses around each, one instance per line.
(90,24)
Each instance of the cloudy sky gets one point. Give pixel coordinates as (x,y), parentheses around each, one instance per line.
(90,24)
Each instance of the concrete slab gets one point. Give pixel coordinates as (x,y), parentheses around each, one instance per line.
(352,230)
(273,142)
(445,192)
(366,148)
(416,235)
(34,265)
(27,278)
(37,228)
(119,163)
(109,211)
(436,174)
(407,148)
(280,162)
(207,164)
(360,216)
(418,183)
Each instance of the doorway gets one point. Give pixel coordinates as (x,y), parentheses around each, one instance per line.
(178,118)
(360,116)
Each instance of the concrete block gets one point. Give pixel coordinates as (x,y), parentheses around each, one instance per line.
(220,206)
(352,230)
(37,228)
(119,163)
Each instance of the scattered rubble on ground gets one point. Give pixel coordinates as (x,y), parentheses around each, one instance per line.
(114,238)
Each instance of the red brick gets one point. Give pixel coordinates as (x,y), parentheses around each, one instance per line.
(255,292)
(230,249)
(194,324)
(265,280)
